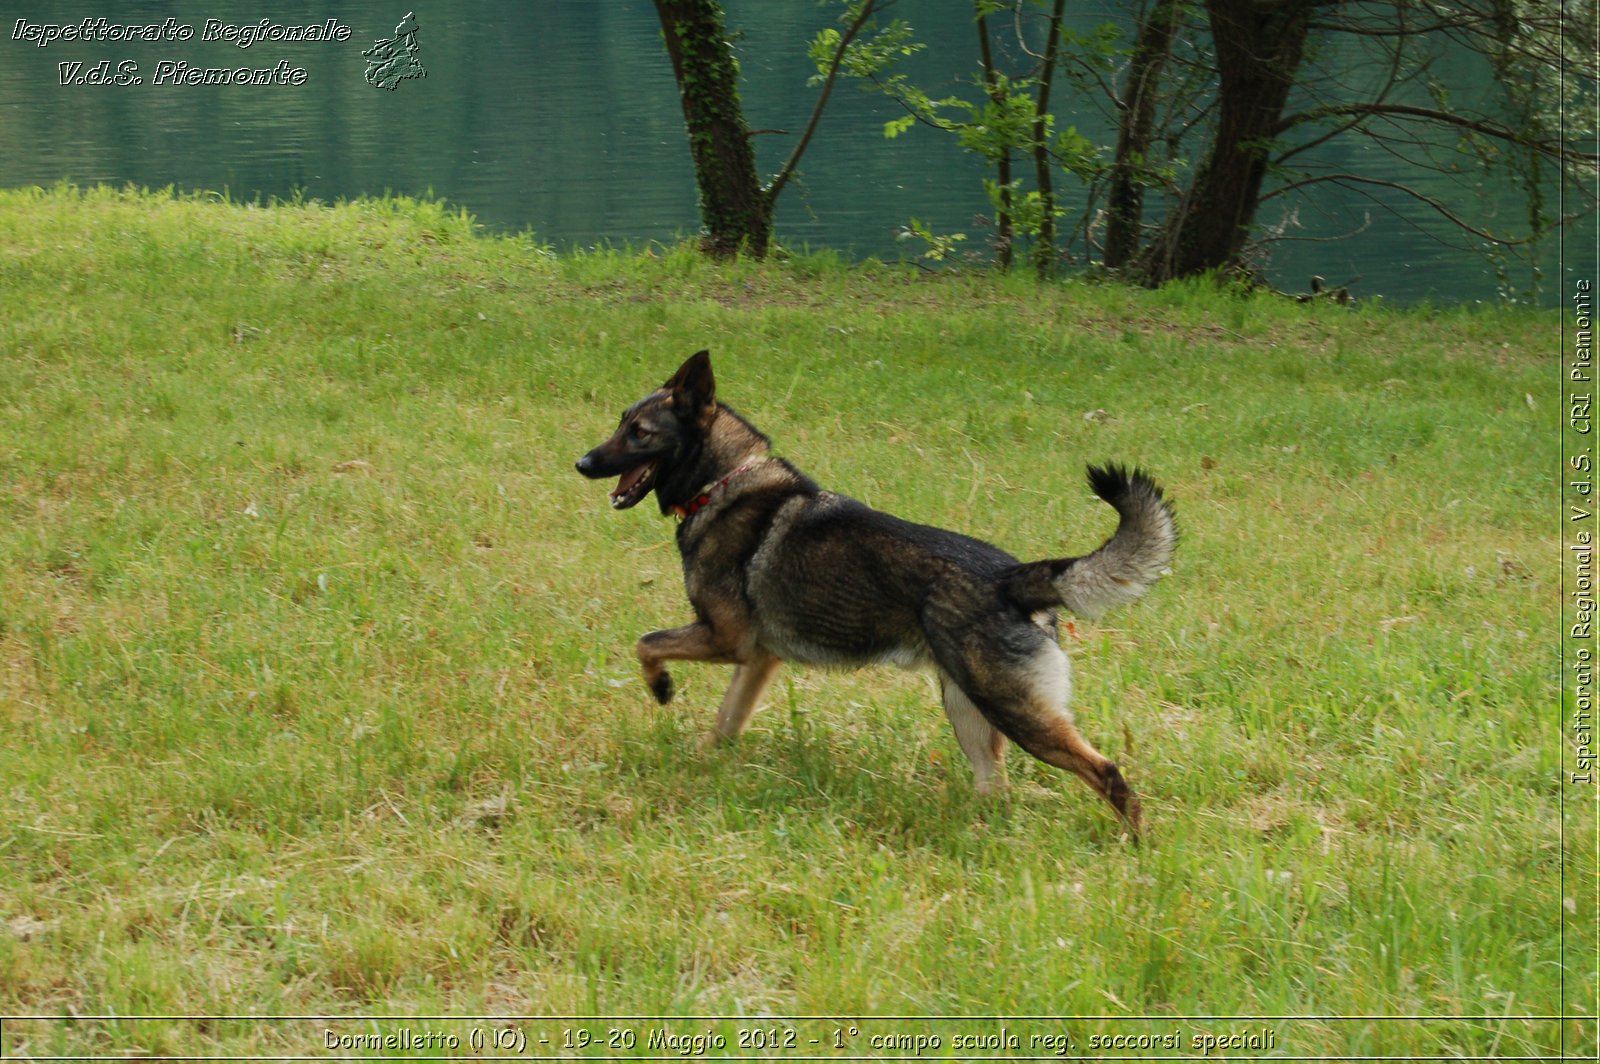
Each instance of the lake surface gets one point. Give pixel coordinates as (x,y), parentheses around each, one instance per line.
(561,117)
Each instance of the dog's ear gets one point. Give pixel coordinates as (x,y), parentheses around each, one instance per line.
(693,388)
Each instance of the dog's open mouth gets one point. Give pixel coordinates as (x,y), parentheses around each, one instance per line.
(633,485)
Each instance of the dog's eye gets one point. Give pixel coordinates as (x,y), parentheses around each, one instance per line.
(637,431)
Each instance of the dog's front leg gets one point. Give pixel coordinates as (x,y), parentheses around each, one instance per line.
(749,681)
(692,642)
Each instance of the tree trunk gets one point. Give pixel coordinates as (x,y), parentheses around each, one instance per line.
(1044,248)
(734,209)
(1125,196)
(1259,46)
(1004,235)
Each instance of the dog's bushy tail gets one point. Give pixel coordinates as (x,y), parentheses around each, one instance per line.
(1124,567)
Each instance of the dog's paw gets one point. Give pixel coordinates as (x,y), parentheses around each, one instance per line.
(661,687)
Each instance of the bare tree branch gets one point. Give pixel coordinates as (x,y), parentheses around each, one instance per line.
(1554,148)
(781,178)
(1453,217)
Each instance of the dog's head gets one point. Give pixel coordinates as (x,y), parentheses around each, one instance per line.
(658,445)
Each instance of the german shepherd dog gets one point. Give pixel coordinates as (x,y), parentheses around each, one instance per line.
(778,569)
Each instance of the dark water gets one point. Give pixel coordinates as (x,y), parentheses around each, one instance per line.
(561,116)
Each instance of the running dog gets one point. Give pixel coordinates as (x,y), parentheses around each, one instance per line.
(779,569)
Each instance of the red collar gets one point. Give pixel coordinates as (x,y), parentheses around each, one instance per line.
(702,500)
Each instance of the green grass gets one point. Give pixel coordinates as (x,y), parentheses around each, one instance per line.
(318,695)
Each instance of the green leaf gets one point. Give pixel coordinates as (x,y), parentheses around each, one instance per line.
(822,49)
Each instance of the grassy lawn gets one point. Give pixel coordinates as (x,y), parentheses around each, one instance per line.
(318,696)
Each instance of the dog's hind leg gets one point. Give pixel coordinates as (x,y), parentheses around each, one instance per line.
(981,741)
(1050,734)
(739,704)
(1028,701)
(1062,745)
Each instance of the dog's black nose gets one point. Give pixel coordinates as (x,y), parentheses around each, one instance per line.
(586,465)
